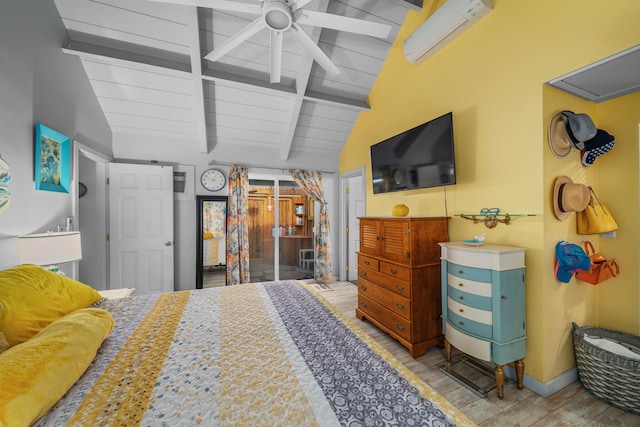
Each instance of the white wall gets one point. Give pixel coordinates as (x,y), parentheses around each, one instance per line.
(39,84)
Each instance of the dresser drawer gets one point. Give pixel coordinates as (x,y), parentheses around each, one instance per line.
(368,262)
(472,346)
(396,285)
(470,286)
(394,302)
(395,323)
(470,273)
(471,313)
(395,271)
(472,300)
(480,330)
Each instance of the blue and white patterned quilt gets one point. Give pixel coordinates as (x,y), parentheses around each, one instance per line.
(272,353)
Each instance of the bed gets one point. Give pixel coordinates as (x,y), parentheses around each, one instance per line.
(271,353)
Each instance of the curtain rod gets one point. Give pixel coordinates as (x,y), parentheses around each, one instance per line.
(216,163)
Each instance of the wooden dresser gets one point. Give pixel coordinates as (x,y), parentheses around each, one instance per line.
(483,299)
(399,278)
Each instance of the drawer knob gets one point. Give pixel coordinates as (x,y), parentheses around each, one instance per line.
(399,288)
(460,284)
(363,273)
(364,304)
(366,263)
(461,297)
(393,271)
(460,271)
(400,327)
(461,310)
(399,306)
(364,288)
(504,297)
(461,323)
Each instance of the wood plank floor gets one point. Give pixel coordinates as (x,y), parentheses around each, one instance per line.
(571,406)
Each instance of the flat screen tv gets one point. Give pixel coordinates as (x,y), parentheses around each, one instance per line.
(421,157)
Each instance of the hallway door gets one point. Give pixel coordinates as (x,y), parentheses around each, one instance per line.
(141,227)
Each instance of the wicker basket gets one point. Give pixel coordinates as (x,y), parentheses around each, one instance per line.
(608,376)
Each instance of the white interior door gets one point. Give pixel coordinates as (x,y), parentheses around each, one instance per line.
(141,227)
(355,211)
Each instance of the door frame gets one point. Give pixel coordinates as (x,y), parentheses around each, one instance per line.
(344,215)
(80,149)
(199,202)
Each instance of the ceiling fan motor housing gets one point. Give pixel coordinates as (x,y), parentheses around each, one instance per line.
(277,15)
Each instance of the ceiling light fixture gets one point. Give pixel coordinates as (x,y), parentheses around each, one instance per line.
(277,15)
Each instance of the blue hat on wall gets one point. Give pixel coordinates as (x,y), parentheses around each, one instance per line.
(600,144)
(570,258)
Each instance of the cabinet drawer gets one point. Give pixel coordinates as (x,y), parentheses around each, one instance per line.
(394,302)
(395,323)
(398,286)
(472,300)
(477,329)
(371,263)
(471,273)
(395,271)
(472,346)
(477,315)
(470,286)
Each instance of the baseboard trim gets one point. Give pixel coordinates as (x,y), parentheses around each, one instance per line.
(548,388)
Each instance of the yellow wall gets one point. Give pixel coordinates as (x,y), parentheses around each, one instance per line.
(492,79)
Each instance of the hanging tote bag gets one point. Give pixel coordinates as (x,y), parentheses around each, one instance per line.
(596,218)
(601,268)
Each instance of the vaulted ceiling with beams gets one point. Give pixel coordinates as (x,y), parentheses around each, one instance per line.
(232,76)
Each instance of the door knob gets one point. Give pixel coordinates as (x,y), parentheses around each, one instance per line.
(167,243)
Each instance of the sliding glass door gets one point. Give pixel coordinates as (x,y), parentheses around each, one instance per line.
(280,230)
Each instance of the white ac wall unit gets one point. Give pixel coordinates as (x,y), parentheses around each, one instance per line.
(449,21)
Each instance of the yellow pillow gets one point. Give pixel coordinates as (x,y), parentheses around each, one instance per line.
(32,297)
(37,373)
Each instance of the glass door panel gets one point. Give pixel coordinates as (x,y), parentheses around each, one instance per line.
(262,225)
(296,255)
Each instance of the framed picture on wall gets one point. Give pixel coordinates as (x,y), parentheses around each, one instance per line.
(52,160)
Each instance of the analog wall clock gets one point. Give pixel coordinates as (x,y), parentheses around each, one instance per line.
(213,179)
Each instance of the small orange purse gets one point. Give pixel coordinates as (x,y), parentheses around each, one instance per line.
(601,268)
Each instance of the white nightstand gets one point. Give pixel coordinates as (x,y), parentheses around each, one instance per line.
(117,293)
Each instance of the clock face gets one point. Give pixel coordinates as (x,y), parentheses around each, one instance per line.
(213,180)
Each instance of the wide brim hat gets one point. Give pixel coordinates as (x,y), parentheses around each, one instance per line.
(580,128)
(569,197)
(559,141)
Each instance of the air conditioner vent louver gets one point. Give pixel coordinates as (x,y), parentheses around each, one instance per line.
(449,21)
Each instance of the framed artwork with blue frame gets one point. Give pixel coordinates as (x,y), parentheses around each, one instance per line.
(52,160)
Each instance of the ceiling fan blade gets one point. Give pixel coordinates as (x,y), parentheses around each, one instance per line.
(342,23)
(297,4)
(276,56)
(228,5)
(321,58)
(235,40)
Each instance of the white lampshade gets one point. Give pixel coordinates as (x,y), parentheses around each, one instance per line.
(49,248)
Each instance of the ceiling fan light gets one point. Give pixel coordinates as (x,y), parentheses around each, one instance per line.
(277,15)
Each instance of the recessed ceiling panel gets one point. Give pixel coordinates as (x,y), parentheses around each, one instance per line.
(609,78)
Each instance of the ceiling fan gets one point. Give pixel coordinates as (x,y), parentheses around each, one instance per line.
(280,16)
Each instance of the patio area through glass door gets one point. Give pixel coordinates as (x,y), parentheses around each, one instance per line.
(280,219)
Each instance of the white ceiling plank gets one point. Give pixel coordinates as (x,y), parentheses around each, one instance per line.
(160,125)
(141,94)
(135,108)
(137,77)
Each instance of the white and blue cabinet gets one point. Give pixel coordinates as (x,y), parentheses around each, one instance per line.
(483,301)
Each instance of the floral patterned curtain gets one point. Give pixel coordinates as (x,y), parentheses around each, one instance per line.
(311,182)
(237,228)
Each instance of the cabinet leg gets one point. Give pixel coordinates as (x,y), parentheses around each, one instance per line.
(519,373)
(500,381)
(447,351)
